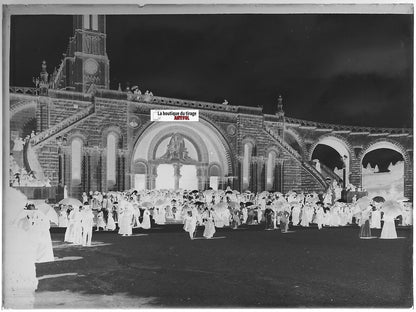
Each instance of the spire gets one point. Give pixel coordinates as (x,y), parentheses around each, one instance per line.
(280,113)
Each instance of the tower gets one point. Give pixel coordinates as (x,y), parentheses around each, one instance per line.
(86,60)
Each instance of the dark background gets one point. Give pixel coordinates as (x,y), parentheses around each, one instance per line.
(345,69)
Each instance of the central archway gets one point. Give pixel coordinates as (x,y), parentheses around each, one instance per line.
(185,150)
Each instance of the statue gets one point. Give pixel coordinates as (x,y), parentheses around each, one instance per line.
(176,149)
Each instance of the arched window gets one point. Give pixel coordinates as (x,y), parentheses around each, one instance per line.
(76,147)
(111,158)
(214,176)
(270,176)
(246,164)
(140,172)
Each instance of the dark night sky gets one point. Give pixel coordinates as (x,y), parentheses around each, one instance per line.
(346,69)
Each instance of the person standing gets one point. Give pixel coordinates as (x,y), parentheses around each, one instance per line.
(209,230)
(190,224)
(87,225)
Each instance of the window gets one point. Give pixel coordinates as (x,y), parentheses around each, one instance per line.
(111,158)
(76,147)
(270,169)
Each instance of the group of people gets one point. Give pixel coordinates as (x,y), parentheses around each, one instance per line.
(126,210)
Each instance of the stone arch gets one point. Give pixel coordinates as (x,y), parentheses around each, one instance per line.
(16,107)
(212,167)
(341,145)
(208,144)
(106,130)
(384,143)
(140,166)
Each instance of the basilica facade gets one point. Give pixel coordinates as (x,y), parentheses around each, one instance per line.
(86,137)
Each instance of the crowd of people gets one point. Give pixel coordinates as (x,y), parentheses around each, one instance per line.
(124,211)
(28,240)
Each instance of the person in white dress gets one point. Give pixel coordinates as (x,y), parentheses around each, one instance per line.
(111,225)
(63,217)
(389,227)
(190,224)
(77,226)
(319,219)
(146,220)
(376,217)
(126,219)
(40,236)
(209,230)
(69,233)
(87,225)
(100,221)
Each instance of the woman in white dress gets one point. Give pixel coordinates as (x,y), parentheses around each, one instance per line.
(77,226)
(69,233)
(295,214)
(319,219)
(111,225)
(100,221)
(146,220)
(389,227)
(376,218)
(190,224)
(126,220)
(41,237)
(63,217)
(209,230)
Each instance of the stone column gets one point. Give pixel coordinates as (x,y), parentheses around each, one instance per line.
(202,175)
(355,177)
(408,176)
(151,176)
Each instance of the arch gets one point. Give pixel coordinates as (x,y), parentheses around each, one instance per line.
(384,143)
(105,130)
(207,142)
(16,107)
(140,166)
(390,183)
(342,146)
(270,168)
(111,157)
(76,158)
(214,170)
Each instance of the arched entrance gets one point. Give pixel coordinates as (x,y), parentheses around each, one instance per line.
(383,170)
(334,154)
(181,156)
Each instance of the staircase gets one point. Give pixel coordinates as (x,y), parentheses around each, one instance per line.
(40,139)
(327,172)
(306,165)
(30,159)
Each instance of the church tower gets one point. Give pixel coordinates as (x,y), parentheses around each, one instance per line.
(86,63)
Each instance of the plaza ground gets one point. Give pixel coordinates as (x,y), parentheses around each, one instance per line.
(248,267)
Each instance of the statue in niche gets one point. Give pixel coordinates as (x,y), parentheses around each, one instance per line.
(176,149)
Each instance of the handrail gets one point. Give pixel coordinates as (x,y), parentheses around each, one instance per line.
(44,135)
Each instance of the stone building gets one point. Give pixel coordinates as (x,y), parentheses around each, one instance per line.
(89,137)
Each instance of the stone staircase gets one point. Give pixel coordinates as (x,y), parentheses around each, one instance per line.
(30,159)
(306,165)
(327,172)
(40,139)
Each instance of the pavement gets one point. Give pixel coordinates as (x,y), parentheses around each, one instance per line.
(248,267)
